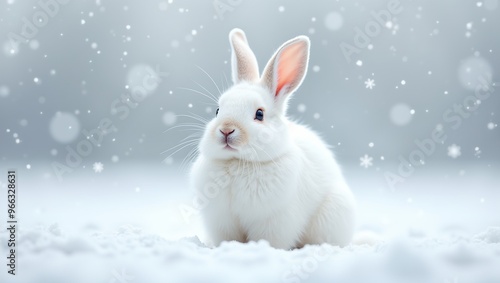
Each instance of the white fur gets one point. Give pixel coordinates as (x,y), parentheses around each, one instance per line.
(280,183)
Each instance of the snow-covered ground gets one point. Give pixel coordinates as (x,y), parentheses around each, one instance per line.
(135,223)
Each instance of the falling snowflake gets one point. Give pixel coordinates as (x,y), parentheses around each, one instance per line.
(370,83)
(98,167)
(477,152)
(366,161)
(454,151)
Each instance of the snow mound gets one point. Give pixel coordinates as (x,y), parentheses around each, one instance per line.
(128,254)
(491,235)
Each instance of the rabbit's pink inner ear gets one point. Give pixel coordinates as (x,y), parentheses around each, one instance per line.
(290,69)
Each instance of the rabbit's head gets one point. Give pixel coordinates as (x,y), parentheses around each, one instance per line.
(250,122)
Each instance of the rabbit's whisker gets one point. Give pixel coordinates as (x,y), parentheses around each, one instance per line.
(201,93)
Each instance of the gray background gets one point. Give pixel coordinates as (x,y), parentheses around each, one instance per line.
(436,47)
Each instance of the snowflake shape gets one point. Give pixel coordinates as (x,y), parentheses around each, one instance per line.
(366,161)
(370,83)
(98,167)
(454,151)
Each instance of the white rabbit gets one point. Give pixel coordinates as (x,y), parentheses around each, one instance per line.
(262,176)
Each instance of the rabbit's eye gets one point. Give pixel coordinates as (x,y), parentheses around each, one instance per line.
(216,112)
(259,115)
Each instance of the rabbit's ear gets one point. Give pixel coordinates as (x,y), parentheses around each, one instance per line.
(286,69)
(243,62)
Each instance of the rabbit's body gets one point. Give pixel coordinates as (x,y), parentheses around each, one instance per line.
(299,198)
(267,177)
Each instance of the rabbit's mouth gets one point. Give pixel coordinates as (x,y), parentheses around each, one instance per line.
(228,147)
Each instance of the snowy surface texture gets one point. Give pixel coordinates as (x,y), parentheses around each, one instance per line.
(129,255)
(125,225)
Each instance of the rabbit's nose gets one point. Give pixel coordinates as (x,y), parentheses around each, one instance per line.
(226,132)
